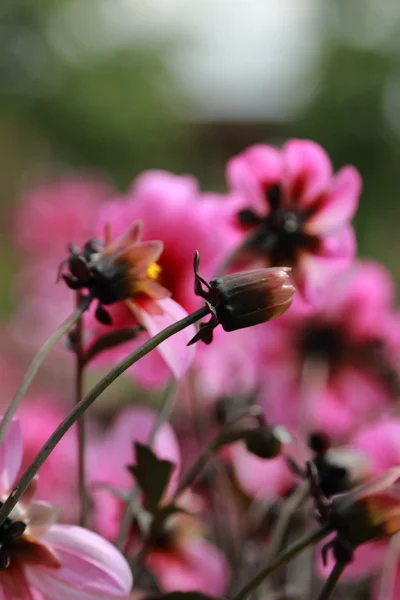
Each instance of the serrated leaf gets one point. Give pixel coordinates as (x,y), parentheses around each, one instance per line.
(152,475)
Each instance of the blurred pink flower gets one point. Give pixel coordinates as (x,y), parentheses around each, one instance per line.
(112,454)
(181,558)
(39,416)
(43,560)
(292,210)
(332,369)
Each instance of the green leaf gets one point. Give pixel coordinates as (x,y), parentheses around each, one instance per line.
(152,475)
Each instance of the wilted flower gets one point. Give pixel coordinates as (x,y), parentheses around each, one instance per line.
(242,299)
(291,210)
(367,513)
(39,559)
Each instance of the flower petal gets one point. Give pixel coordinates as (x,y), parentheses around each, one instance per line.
(10,456)
(250,172)
(92,568)
(340,204)
(41,516)
(174,350)
(307,171)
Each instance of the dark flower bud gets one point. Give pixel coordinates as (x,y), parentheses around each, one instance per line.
(266,442)
(243,299)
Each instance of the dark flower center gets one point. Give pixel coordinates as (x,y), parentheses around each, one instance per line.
(280,235)
(323,341)
(10,531)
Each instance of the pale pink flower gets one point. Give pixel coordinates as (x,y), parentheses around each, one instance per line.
(332,369)
(44,561)
(292,210)
(181,557)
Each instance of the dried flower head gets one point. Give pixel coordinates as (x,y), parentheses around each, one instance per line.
(242,299)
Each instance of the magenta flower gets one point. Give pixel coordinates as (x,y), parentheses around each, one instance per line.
(181,558)
(332,369)
(44,561)
(173,211)
(291,210)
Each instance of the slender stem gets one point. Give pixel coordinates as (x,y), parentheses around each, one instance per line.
(332,580)
(213,446)
(295,500)
(81,424)
(282,558)
(84,404)
(163,415)
(37,362)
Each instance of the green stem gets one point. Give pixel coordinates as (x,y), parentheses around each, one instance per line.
(84,404)
(223,437)
(163,415)
(282,558)
(332,580)
(81,424)
(37,362)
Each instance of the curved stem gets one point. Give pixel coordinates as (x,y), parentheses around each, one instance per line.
(84,404)
(37,362)
(223,436)
(282,558)
(332,580)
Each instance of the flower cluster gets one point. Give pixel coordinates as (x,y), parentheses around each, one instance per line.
(288,389)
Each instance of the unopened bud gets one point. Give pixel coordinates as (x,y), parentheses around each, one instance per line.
(266,442)
(243,299)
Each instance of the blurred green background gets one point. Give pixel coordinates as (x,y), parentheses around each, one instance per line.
(118,86)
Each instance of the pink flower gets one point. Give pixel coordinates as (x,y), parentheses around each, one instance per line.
(180,557)
(43,561)
(332,369)
(173,211)
(291,210)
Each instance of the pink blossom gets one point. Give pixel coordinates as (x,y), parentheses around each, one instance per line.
(173,211)
(181,558)
(44,561)
(292,210)
(331,369)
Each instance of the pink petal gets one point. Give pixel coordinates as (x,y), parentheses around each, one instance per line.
(361,297)
(340,204)
(381,441)
(250,172)
(264,479)
(92,568)
(315,272)
(10,456)
(307,171)
(174,350)
(368,559)
(197,566)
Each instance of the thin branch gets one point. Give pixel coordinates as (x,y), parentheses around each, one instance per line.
(84,404)
(332,580)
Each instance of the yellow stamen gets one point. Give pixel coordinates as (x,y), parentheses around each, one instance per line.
(154,271)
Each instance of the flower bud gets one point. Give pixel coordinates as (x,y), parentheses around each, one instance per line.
(266,442)
(243,299)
